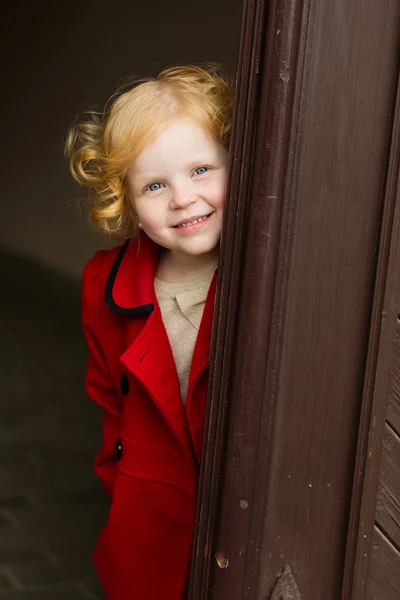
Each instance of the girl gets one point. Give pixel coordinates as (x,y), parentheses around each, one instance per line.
(156,166)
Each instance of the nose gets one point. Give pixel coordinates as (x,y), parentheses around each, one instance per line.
(182,196)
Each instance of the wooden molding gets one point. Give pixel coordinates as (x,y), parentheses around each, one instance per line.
(263,110)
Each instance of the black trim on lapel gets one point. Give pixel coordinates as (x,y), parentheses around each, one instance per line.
(137,311)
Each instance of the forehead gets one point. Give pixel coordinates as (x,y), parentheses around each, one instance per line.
(181,141)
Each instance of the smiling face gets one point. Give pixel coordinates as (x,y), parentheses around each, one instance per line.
(178,186)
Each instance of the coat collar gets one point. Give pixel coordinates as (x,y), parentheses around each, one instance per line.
(135,261)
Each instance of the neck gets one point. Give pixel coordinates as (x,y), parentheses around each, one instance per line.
(176,268)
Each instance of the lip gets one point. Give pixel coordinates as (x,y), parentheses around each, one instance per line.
(196,226)
(191,219)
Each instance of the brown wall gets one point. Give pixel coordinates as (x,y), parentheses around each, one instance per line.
(59,58)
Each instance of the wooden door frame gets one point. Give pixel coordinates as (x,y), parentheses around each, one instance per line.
(263,110)
(247,348)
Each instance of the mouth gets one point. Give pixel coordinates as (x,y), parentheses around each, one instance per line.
(190,222)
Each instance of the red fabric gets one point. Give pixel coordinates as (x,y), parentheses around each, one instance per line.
(143,552)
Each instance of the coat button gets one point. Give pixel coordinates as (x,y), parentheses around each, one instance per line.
(118,448)
(124,384)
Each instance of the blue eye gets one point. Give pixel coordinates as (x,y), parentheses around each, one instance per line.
(201,170)
(152,188)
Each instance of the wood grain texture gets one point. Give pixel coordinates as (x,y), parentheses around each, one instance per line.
(384,575)
(393,407)
(388,497)
(381,370)
(336,202)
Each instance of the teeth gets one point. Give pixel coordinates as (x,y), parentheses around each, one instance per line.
(193,222)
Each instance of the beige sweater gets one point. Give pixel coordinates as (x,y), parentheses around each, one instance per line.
(182,306)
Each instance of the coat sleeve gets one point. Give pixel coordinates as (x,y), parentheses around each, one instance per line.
(98,383)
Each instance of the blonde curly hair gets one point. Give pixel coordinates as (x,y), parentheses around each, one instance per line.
(101,146)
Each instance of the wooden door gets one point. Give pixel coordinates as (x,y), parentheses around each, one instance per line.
(286,493)
(373,556)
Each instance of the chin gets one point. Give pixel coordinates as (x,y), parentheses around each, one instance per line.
(197,249)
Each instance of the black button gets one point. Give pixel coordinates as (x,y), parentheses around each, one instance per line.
(118,448)
(124,383)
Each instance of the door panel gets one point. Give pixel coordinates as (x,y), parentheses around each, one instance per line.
(373,539)
(384,575)
(387,514)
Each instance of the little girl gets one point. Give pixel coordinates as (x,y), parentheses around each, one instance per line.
(156,166)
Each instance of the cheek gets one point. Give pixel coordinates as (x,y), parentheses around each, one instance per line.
(216,192)
(146,213)
(220,195)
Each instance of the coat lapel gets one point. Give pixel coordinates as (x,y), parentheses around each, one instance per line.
(148,355)
(201,353)
(196,399)
(149,358)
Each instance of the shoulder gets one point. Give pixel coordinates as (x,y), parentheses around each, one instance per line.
(95,273)
(100,262)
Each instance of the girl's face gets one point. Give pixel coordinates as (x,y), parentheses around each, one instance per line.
(178,188)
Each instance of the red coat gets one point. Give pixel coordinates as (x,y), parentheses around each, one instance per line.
(151,452)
